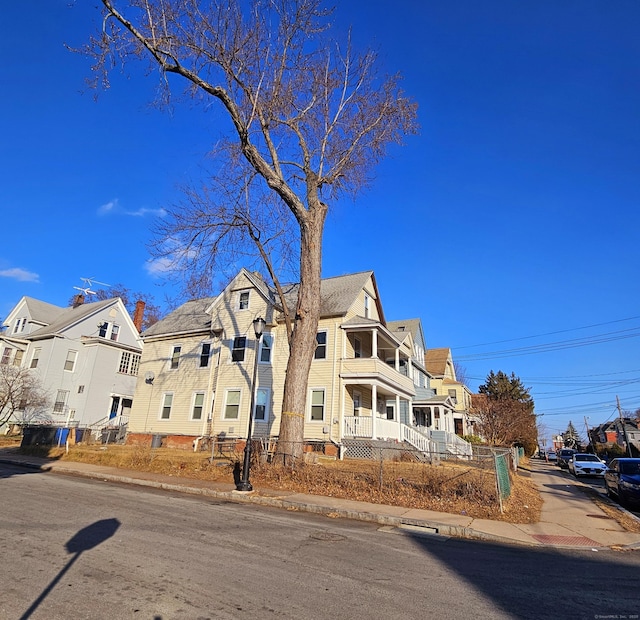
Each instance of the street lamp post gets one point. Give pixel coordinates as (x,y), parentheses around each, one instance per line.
(244,484)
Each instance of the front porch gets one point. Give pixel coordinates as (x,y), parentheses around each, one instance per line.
(428,441)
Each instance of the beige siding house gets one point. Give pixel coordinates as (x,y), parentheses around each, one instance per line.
(455,394)
(197,370)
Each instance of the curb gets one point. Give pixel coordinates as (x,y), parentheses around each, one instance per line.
(431,528)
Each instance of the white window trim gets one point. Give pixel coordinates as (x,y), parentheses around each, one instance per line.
(162,405)
(171,352)
(324,405)
(209,356)
(238,304)
(325,345)
(273,340)
(74,360)
(37,352)
(226,402)
(231,349)
(267,408)
(202,407)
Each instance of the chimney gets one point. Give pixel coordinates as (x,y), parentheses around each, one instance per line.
(138,314)
(78,300)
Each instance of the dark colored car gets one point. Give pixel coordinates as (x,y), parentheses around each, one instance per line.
(622,480)
(564,456)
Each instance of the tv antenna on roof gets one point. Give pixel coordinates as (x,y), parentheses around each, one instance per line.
(89,282)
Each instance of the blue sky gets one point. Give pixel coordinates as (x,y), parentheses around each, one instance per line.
(510,222)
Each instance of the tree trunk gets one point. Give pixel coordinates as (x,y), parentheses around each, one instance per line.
(303,339)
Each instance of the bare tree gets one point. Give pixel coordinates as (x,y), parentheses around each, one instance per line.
(310,119)
(504,409)
(22,397)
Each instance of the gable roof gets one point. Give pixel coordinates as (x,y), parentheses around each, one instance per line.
(337,294)
(70,316)
(436,361)
(190,317)
(413,326)
(39,311)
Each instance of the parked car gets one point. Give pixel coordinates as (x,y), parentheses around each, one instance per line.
(622,480)
(552,457)
(564,456)
(586,465)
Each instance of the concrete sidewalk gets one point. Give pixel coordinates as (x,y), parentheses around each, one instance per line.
(569,518)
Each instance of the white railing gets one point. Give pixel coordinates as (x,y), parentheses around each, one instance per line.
(418,440)
(423,439)
(358,426)
(450,442)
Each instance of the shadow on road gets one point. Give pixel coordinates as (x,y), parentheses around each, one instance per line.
(557,583)
(87,538)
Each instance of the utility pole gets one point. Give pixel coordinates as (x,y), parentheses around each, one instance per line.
(624,430)
(589,440)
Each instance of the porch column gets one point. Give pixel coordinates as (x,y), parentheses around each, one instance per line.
(374,343)
(397,410)
(374,410)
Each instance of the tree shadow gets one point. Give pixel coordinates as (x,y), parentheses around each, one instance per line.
(19,462)
(542,583)
(84,540)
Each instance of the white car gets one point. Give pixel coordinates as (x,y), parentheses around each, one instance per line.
(586,465)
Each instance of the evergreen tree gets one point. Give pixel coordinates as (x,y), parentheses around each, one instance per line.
(505,413)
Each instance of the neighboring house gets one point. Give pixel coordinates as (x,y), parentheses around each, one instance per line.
(618,432)
(198,366)
(85,356)
(454,396)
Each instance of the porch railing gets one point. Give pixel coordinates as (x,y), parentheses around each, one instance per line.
(426,440)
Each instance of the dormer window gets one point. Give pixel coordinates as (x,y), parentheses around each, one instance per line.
(243,300)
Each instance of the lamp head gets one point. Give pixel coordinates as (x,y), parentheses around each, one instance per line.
(258,326)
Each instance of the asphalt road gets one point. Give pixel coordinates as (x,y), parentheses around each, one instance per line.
(75,548)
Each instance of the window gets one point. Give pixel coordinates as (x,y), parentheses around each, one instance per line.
(239,343)
(80,389)
(129,363)
(6,354)
(357,347)
(70,362)
(454,398)
(356,403)
(115,329)
(261,412)
(102,330)
(317,405)
(175,356)
(61,401)
(35,358)
(205,352)
(321,347)
(17,358)
(167,401)
(20,325)
(266,346)
(243,300)
(198,405)
(366,306)
(232,406)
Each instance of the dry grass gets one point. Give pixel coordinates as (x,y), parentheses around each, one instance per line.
(449,487)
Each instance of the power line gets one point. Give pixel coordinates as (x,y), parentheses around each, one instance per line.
(561,331)
(553,346)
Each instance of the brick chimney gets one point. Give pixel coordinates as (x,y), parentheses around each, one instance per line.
(78,300)
(138,314)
